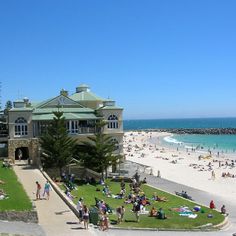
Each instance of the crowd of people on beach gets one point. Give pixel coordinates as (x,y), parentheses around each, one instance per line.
(146,144)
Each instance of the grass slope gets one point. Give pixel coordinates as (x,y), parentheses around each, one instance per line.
(18,199)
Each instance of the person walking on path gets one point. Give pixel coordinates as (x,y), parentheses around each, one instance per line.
(213,175)
(47,189)
(120,211)
(212,205)
(105,222)
(80,209)
(85,216)
(223,210)
(38,190)
(136,210)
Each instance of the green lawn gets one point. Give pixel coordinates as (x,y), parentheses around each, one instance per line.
(18,200)
(174,221)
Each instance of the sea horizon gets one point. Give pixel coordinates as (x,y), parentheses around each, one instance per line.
(169,123)
(220,142)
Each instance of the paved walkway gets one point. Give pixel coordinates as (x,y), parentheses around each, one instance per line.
(20,229)
(54,215)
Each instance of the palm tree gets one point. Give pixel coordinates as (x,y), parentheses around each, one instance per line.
(57,147)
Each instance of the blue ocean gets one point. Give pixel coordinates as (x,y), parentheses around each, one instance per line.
(226,143)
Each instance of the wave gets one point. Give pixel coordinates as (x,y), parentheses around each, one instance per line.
(188,147)
(169,139)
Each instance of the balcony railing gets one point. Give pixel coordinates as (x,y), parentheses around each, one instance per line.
(82,130)
(3,133)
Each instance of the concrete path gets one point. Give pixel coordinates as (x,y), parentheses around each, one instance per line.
(20,229)
(54,215)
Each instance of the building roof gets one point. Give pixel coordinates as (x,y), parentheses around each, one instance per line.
(58,100)
(83,86)
(21,109)
(69,105)
(68,116)
(62,109)
(110,108)
(85,96)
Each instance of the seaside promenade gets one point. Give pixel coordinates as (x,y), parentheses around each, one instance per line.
(55,217)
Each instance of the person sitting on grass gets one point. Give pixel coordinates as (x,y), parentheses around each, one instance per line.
(121,194)
(161,214)
(153,212)
(106,191)
(144,180)
(6,164)
(144,200)
(155,197)
(69,195)
(122,184)
(3,195)
(131,198)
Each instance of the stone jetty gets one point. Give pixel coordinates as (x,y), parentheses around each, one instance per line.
(206,131)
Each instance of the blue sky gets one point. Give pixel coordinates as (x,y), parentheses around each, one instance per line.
(156,58)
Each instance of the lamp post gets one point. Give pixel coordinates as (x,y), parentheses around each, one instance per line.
(38,162)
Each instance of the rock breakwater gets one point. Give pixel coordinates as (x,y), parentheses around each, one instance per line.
(206,131)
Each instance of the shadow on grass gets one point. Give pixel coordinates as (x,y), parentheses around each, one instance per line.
(113,222)
(133,221)
(81,182)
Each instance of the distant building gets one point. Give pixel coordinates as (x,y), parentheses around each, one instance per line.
(27,121)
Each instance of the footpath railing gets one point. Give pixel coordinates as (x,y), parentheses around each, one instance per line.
(133,167)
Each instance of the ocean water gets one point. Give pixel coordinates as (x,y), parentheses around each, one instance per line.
(226,143)
(180,123)
(222,143)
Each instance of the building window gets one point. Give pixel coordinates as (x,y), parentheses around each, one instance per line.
(72,126)
(21,127)
(116,143)
(112,122)
(43,126)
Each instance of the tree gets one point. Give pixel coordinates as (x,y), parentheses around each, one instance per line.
(98,152)
(57,147)
(8,106)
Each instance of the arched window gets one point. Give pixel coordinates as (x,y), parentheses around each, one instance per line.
(21,127)
(112,122)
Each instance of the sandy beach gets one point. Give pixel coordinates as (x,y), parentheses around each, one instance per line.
(212,173)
